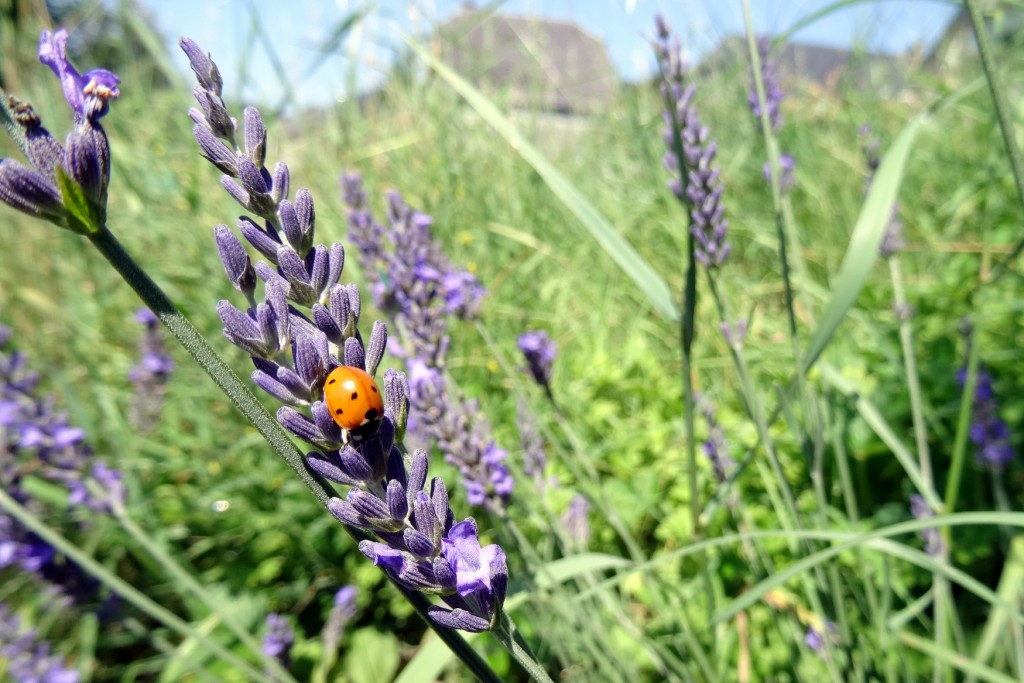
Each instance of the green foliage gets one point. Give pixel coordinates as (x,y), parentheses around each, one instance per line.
(642,601)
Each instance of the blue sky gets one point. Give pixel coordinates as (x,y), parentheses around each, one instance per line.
(223,27)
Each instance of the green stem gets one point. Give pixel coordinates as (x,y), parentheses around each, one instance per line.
(225,378)
(910,363)
(1005,116)
(120,586)
(520,651)
(956,467)
(773,159)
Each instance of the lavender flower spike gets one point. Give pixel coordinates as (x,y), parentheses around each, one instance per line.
(342,613)
(279,639)
(788,165)
(36,439)
(690,156)
(151,374)
(66,185)
(412,280)
(539,351)
(575,520)
(920,509)
(305,324)
(26,657)
(772,88)
(989,433)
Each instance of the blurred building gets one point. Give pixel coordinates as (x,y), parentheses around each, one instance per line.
(532,63)
(819,68)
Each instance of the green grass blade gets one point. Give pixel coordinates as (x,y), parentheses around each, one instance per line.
(570,567)
(621,251)
(1010,590)
(863,247)
(872,541)
(955,659)
(870,413)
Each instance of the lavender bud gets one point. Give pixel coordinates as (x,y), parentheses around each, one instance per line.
(255,136)
(215,151)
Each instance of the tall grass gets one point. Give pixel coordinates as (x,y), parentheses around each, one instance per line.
(827,420)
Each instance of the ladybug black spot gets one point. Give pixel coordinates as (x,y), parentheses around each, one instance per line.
(331,381)
(339,411)
(374,390)
(355,395)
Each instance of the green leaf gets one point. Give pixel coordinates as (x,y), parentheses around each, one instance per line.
(374,657)
(616,246)
(566,568)
(863,248)
(84,217)
(430,661)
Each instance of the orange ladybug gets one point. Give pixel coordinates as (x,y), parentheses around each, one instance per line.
(354,401)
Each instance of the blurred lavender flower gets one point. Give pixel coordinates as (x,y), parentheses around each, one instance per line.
(735,334)
(279,639)
(66,185)
(307,324)
(772,87)
(539,351)
(412,280)
(694,181)
(151,374)
(342,612)
(576,522)
(38,441)
(535,460)
(787,164)
(27,659)
(893,240)
(989,433)
(817,629)
(716,448)
(920,509)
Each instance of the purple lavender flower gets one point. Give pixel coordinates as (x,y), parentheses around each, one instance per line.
(920,509)
(151,374)
(27,658)
(690,154)
(989,433)
(716,448)
(412,281)
(279,639)
(576,522)
(342,613)
(892,240)
(534,458)
(772,87)
(481,580)
(735,334)
(788,164)
(66,185)
(35,438)
(305,324)
(539,351)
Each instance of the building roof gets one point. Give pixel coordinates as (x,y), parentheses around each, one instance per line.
(542,64)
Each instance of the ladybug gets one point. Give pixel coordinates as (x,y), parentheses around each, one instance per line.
(354,401)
